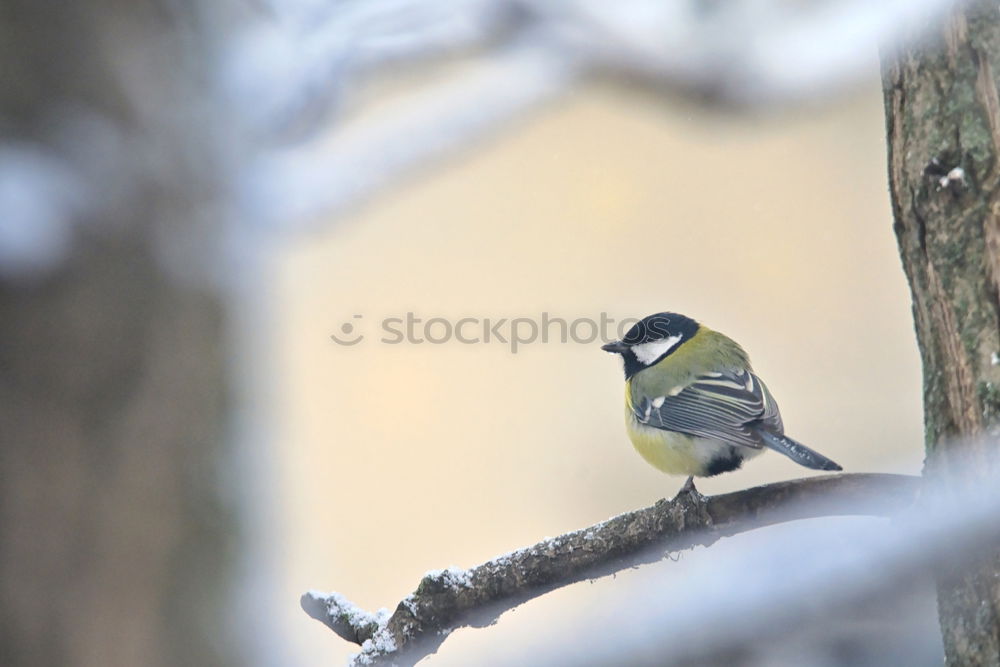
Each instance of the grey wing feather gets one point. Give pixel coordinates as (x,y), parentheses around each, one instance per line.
(725,406)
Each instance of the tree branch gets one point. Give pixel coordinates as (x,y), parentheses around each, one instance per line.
(448,599)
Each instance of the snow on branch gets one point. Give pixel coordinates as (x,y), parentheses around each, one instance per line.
(449,599)
(740,54)
(292,188)
(279,81)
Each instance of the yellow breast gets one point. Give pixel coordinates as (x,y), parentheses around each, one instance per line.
(673,453)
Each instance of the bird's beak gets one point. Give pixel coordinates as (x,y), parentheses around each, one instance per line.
(617,347)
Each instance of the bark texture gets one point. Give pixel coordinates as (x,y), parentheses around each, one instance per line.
(943,125)
(113,540)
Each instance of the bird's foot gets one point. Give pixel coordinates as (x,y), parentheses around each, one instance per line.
(688,486)
(690,490)
(691,500)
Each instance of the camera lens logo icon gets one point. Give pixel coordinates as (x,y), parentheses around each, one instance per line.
(347,329)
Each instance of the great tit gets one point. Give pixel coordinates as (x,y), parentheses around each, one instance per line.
(693,405)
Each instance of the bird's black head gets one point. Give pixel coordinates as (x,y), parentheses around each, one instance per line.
(652,339)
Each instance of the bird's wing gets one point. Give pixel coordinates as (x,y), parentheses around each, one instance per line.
(725,406)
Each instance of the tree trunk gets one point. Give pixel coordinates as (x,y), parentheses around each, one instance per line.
(113,540)
(943,122)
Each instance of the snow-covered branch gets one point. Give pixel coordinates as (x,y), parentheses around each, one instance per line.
(284,88)
(449,599)
(744,54)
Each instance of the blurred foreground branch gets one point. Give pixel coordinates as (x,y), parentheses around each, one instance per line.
(294,85)
(295,77)
(448,599)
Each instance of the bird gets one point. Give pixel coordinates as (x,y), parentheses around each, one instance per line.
(693,404)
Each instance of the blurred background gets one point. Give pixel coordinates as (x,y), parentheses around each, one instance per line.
(397,459)
(198,199)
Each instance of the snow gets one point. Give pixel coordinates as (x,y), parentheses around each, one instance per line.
(379,644)
(452,577)
(41,198)
(956,175)
(340,607)
(381,641)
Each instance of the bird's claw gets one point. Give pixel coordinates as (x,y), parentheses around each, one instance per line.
(690,490)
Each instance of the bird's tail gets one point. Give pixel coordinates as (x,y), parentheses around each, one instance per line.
(796,451)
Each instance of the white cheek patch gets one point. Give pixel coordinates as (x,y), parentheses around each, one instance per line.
(647,353)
